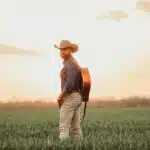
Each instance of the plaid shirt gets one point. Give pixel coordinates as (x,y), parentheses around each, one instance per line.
(70,77)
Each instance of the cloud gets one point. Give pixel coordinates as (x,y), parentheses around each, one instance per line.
(113,15)
(11,50)
(143,5)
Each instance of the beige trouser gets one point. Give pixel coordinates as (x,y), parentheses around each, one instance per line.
(70,116)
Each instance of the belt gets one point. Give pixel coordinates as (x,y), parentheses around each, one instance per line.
(74,91)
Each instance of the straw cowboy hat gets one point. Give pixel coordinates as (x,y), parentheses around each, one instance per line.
(67,44)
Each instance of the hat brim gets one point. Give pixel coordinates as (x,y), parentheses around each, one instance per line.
(74,47)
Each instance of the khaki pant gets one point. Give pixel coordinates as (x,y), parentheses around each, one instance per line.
(70,116)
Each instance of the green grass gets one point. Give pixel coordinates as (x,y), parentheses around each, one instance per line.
(124,128)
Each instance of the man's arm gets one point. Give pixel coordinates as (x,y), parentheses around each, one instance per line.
(70,79)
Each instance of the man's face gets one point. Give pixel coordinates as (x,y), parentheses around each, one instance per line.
(65,53)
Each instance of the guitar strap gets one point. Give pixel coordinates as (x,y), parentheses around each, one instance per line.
(85,104)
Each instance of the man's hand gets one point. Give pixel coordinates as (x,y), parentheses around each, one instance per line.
(60,99)
(60,96)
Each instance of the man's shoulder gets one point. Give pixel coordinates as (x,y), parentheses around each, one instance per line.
(68,63)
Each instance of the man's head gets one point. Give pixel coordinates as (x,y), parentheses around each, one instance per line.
(66,48)
(65,53)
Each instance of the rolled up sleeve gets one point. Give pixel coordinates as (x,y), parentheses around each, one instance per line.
(70,78)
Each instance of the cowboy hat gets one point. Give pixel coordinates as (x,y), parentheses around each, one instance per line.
(67,44)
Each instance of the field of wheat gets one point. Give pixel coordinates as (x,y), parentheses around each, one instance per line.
(103,128)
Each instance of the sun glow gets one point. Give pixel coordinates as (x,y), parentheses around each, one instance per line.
(115,51)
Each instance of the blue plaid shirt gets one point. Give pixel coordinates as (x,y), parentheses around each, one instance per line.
(70,77)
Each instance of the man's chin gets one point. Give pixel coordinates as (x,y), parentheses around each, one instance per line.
(62,57)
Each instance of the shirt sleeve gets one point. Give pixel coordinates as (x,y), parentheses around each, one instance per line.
(70,77)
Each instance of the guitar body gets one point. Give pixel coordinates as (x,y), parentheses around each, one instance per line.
(86,84)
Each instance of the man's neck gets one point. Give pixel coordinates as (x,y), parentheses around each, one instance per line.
(68,58)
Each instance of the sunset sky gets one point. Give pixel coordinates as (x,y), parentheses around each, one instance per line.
(113,37)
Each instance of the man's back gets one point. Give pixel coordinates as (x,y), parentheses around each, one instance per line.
(71,79)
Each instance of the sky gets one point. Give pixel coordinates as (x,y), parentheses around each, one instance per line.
(113,38)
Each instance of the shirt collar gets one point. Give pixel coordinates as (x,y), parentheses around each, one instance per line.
(71,57)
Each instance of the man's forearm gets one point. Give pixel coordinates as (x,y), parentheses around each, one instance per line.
(60,98)
(63,93)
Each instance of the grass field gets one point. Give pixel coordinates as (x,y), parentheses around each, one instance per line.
(121,128)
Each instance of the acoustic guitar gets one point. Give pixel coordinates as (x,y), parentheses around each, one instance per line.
(86,87)
(86,83)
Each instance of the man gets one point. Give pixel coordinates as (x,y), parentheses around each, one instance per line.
(70,98)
